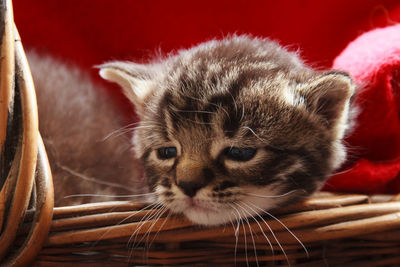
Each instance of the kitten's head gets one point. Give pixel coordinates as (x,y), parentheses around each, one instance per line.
(234,126)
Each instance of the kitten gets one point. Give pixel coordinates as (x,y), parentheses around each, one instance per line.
(76,119)
(230,127)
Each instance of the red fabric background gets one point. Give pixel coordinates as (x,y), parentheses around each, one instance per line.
(89,32)
(373,60)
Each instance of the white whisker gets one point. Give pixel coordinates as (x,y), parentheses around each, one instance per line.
(251,130)
(298,240)
(125,219)
(273,234)
(194,111)
(244,234)
(162,225)
(241,118)
(287,229)
(276,196)
(156,218)
(128,128)
(91,179)
(234,102)
(251,232)
(113,196)
(259,225)
(213,104)
(236,234)
(148,217)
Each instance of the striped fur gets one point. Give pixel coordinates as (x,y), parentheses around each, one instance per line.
(237,92)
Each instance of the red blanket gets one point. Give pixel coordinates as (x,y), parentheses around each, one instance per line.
(88,32)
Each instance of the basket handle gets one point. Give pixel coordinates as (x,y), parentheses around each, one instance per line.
(25,172)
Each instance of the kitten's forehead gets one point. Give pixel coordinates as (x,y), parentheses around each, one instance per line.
(244,92)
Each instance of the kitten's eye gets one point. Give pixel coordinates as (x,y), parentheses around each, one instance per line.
(240,154)
(167,152)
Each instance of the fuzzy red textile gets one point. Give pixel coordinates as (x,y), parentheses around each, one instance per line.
(373,60)
(88,32)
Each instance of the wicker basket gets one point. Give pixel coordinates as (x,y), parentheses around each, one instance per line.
(326,230)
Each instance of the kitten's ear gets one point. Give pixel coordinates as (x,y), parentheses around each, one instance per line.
(329,96)
(135,80)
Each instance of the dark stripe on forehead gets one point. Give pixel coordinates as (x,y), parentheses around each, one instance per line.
(186,107)
(231,124)
(162,109)
(229,101)
(224,103)
(242,80)
(166,100)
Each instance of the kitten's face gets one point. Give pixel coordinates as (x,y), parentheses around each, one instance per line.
(234,127)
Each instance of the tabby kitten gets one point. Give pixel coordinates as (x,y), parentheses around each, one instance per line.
(233,126)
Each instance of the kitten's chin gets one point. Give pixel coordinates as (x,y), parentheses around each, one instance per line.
(204,212)
(208,217)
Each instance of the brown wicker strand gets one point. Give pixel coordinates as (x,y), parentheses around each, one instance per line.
(6,92)
(6,69)
(29,177)
(313,227)
(26,173)
(44,211)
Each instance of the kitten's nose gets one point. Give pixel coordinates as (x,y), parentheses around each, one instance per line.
(190,188)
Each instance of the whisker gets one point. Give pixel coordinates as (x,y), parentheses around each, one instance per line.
(234,102)
(251,130)
(259,225)
(113,196)
(287,229)
(213,104)
(91,179)
(276,196)
(148,217)
(251,232)
(298,240)
(125,219)
(245,243)
(342,172)
(155,219)
(162,225)
(273,234)
(241,118)
(128,128)
(194,111)
(236,233)
(244,235)
(234,229)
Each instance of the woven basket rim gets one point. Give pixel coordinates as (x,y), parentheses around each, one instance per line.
(344,229)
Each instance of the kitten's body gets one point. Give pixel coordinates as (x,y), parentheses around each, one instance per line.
(76,119)
(233,126)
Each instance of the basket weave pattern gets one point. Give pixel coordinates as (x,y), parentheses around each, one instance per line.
(327,229)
